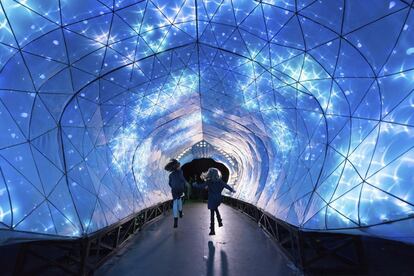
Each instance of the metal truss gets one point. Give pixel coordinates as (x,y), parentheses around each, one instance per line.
(313,252)
(85,255)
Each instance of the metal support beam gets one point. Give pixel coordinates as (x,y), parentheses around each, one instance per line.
(313,252)
(82,256)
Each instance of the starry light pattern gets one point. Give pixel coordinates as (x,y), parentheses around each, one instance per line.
(310,103)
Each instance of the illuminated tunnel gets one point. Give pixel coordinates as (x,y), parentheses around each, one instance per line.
(310,105)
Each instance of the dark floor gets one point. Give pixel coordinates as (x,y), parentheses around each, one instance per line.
(239,248)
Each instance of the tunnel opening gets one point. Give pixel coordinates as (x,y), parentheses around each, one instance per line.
(192,171)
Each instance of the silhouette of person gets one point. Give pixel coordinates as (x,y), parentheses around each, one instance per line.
(177,183)
(215,186)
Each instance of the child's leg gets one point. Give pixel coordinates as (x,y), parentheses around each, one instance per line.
(212,218)
(218,216)
(212,221)
(180,204)
(175,212)
(175,208)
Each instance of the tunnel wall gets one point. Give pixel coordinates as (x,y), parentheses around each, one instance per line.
(312,99)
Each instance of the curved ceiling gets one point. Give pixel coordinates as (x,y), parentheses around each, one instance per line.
(312,100)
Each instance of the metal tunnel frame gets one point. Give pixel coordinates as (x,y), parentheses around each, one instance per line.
(318,91)
(83,256)
(315,253)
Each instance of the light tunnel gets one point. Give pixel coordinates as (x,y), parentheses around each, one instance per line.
(310,105)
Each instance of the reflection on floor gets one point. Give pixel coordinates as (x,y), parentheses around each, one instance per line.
(239,248)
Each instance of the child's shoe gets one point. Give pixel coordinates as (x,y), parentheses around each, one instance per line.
(212,232)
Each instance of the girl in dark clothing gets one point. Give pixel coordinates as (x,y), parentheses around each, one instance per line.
(177,183)
(215,186)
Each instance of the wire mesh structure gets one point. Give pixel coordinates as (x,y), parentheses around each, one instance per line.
(313,100)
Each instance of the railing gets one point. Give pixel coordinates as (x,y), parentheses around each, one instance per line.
(313,252)
(81,256)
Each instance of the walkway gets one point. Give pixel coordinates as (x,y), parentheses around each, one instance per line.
(239,248)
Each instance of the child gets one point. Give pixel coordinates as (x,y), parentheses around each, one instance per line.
(177,183)
(215,186)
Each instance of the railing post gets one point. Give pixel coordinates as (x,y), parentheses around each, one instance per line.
(21,259)
(84,254)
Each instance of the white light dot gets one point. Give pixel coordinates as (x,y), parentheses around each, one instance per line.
(410,51)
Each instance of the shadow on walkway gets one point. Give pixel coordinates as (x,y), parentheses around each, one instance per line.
(239,248)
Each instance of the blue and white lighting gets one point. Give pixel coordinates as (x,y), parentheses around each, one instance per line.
(309,103)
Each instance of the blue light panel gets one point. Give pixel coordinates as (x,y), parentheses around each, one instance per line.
(311,101)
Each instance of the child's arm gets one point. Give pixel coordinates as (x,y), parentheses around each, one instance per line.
(201,185)
(228,187)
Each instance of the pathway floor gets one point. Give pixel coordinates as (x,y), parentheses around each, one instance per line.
(239,248)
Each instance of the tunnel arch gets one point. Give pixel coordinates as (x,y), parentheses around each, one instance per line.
(95,98)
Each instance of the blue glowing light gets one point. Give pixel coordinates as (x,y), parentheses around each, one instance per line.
(309,104)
